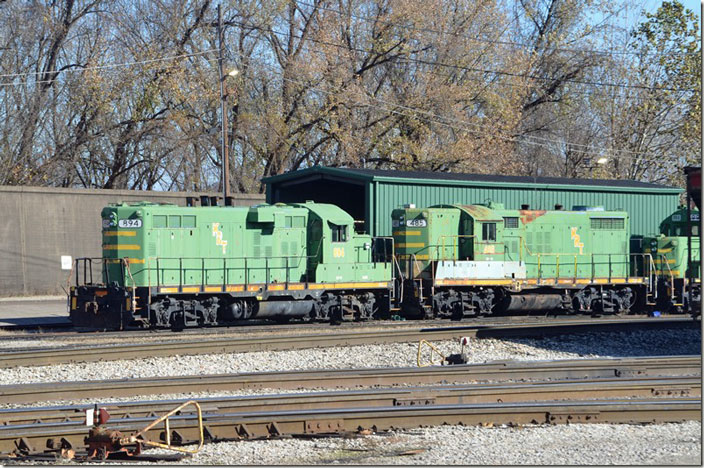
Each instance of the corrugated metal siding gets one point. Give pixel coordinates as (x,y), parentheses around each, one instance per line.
(645,210)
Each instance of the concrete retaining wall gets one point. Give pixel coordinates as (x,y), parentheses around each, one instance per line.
(38,225)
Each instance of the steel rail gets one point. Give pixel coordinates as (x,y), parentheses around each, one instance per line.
(317,422)
(647,387)
(351,378)
(48,330)
(59,355)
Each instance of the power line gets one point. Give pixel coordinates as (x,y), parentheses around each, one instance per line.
(464,68)
(474,39)
(407,60)
(115,66)
(434,118)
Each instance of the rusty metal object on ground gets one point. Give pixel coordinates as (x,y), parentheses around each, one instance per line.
(456,358)
(432,355)
(103,443)
(138,437)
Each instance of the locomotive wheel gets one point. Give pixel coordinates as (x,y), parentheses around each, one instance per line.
(236,311)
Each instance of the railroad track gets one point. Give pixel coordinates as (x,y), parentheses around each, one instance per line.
(595,388)
(67,354)
(63,331)
(495,371)
(184,429)
(635,390)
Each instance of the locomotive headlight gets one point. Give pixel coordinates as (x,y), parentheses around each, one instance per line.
(110,220)
(139,214)
(367,246)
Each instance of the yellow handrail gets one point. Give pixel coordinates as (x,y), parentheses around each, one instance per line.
(136,438)
(432,349)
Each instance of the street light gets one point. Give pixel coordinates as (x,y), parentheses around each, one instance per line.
(225,147)
(588,164)
(223,112)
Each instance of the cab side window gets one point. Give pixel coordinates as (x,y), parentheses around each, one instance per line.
(339,233)
(489,232)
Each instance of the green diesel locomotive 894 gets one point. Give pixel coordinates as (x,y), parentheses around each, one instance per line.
(170,266)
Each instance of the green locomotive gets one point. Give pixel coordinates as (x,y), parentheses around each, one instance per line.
(464,260)
(170,266)
(670,253)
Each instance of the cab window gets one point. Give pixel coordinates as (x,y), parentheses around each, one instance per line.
(489,232)
(339,233)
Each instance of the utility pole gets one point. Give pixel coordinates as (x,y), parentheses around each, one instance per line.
(223,112)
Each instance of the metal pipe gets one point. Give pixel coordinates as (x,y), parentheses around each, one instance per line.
(688,273)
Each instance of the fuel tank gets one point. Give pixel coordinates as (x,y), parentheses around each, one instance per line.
(272,309)
(532,302)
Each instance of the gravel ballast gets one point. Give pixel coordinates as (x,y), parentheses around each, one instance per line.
(596,444)
(576,444)
(616,344)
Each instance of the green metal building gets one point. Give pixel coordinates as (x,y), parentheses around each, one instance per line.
(370,195)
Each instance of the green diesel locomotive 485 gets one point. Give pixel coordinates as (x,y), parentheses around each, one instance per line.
(478,259)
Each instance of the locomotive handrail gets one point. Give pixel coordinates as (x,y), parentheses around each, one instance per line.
(414,261)
(226,269)
(442,239)
(88,262)
(393,256)
(400,274)
(595,259)
(663,260)
(469,236)
(88,266)
(134,285)
(647,259)
(592,256)
(245,267)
